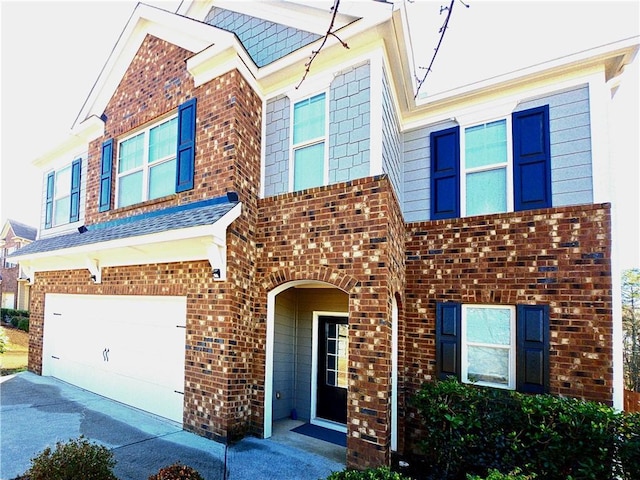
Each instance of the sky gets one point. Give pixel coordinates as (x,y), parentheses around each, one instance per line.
(52,52)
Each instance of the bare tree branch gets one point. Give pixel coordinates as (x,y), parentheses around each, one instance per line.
(442,31)
(330,33)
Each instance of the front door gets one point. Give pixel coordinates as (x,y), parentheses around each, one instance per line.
(333,339)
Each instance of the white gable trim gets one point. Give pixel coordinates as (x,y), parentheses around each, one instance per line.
(145,20)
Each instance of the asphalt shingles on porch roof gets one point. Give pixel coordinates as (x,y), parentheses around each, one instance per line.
(196,214)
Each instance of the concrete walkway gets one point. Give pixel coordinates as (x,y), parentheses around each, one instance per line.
(36,412)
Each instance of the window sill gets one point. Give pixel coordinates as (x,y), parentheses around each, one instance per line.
(145,204)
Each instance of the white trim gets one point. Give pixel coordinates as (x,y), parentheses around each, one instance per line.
(268,365)
(315,420)
(511,384)
(375,114)
(599,101)
(394,374)
(309,143)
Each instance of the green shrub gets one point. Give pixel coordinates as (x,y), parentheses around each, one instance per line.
(77,459)
(496,475)
(4,341)
(381,473)
(473,430)
(23,324)
(176,472)
(629,446)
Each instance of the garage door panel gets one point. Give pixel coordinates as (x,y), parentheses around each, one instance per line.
(129,348)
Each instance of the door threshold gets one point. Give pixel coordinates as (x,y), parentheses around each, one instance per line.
(331,425)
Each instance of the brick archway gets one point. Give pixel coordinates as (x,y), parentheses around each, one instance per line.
(338,279)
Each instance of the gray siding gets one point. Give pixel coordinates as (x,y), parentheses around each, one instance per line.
(277,146)
(571,162)
(348,135)
(264,41)
(349,124)
(391,140)
(283,354)
(570,133)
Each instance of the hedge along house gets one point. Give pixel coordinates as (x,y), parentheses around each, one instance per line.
(225,248)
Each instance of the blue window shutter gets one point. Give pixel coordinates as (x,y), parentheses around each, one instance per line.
(186,154)
(74,209)
(105,176)
(532,348)
(445,173)
(448,340)
(531,159)
(48,209)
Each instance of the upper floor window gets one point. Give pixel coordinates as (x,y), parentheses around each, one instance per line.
(502,346)
(7,262)
(152,163)
(63,195)
(493,167)
(147,164)
(309,142)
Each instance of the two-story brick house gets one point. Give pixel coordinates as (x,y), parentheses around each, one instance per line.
(222,245)
(14,287)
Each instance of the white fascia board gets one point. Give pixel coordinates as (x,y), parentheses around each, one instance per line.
(221,57)
(600,57)
(524,89)
(165,247)
(77,142)
(178,30)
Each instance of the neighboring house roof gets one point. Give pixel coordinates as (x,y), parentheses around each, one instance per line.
(19,230)
(196,214)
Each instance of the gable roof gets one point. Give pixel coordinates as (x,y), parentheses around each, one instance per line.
(20,230)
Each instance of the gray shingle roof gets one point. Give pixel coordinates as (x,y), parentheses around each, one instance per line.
(23,231)
(196,214)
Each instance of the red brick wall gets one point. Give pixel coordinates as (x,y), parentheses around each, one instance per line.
(346,235)
(218,386)
(155,84)
(559,257)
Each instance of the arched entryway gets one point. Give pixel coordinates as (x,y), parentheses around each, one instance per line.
(307,354)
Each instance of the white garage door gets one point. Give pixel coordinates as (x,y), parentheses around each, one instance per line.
(128,348)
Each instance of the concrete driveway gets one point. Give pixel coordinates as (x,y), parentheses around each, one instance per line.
(36,412)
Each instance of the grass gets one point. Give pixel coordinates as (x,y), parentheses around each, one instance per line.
(15,358)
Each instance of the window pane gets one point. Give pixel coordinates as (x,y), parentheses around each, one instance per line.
(162,179)
(63,183)
(486,192)
(489,325)
(308,168)
(61,210)
(486,144)
(488,364)
(131,153)
(163,140)
(130,189)
(308,119)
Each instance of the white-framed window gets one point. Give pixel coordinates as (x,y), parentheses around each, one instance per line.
(7,262)
(309,142)
(488,346)
(486,168)
(62,196)
(147,163)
